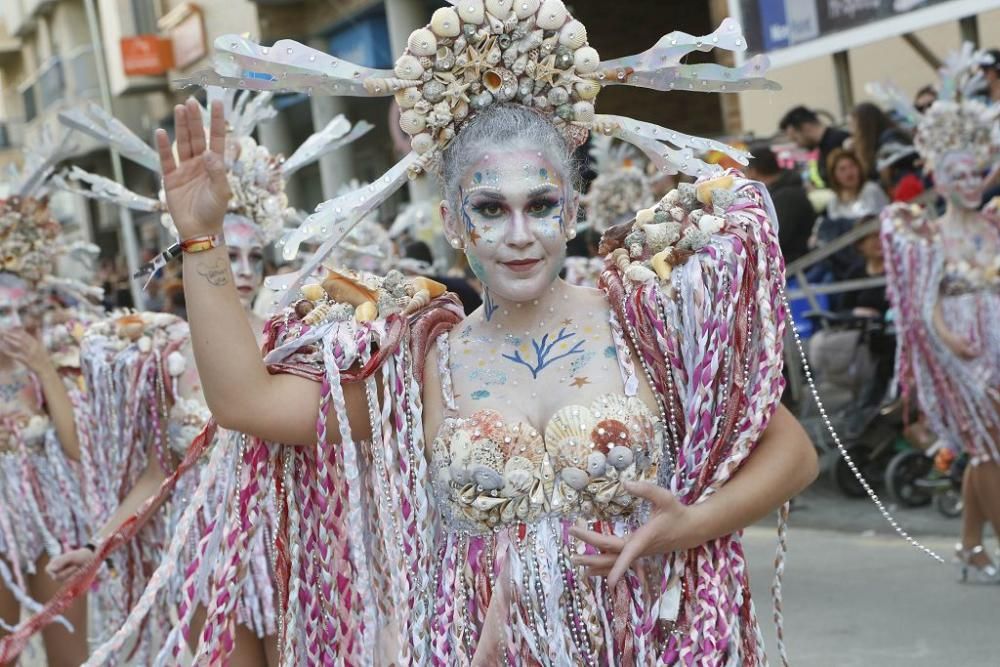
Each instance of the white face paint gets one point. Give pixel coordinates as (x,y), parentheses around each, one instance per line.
(959,179)
(19,306)
(513,214)
(246,257)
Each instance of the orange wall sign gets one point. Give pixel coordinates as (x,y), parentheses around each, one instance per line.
(146,55)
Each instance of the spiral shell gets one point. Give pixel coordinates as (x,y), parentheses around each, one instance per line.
(586,59)
(407,97)
(408,67)
(493,56)
(551,15)
(422,42)
(422,143)
(531,41)
(313,291)
(587,89)
(583,112)
(445,22)
(573,35)
(525,8)
(444,59)
(318,314)
(471,11)
(501,9)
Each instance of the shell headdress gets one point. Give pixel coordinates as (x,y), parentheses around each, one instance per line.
(256,176)
(958,120)
(473,54)
(31,240)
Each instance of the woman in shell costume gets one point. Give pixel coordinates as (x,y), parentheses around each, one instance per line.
(43,414)
(146,396)
(944,282)
(417,529)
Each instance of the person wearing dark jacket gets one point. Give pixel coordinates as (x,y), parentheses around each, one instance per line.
(804,127)
(795,212)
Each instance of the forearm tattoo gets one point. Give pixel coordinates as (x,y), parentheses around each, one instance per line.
(216,273)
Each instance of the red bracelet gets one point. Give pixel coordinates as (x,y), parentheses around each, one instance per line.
(200,243)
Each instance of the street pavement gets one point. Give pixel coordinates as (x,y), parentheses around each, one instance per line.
(857,596)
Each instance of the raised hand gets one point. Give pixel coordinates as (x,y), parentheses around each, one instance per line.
(196,186)
(671,527)
(24,348)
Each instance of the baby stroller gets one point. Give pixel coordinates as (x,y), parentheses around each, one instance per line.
(852,358)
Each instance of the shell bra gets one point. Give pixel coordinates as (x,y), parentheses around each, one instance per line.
(381,557)
(926,262)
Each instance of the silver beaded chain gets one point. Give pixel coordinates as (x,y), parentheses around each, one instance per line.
(840,445)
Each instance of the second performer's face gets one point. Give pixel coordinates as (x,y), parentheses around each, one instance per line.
(513,214)
(959,179)
(19,306)
(246,257)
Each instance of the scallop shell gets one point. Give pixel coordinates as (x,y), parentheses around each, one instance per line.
(586,59)
(583,112)
(587,89)
(501,9)
(176,363)
(573,35)
(567,436)
(525,8)
(471,11)
(422,143)
(422,42)
(408,67)
(413,122)
(313,291)
(407,97)
(551,15)
(445,23)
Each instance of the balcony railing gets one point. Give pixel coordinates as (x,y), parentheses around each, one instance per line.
(61,82)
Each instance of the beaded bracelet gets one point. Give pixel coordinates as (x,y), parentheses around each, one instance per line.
(199,243)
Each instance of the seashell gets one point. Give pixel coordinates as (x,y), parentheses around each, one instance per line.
(532,41)
(659,236)
(576,478)
(620,457)
(445,22)
(525,8)
(408,68)
(519,64)
(131,330)
(494,56)
(366,312)
(460,110)
(492,80)
(482,100)
(644,217)
(573,35)
(638,273)
(596,464)
(434,91)
(318,315)
(422,42)
(549,45)
(519,474)
(703,191)
(423,106)
(460,473)
(303,308)
(496,25)
(407,97)
(587,89)
(422,143)
(501,9)
(586,59)
(459,45)
(412,122)
(711,224)
(678,213)
(313,291)
(583,112)
(428,64)
(558,95)
(471,11)
(551,15)
(343,289)
(433,287)
(444,59)
(145,344)
(176,364)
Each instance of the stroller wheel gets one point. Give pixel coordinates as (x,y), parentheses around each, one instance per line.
(845,479)
(902,475)
(949,503)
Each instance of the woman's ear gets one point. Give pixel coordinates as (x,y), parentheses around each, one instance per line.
(452,229)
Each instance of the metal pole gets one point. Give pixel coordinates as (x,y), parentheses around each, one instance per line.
(128,239)
(842,70)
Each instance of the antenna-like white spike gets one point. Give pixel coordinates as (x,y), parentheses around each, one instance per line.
(337,133)
(97,123)
(105,189)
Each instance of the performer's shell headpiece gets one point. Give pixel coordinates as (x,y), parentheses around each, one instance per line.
(256,176)
(621,187)
(477,53)
(958,120)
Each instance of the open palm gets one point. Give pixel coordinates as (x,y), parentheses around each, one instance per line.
(195,183)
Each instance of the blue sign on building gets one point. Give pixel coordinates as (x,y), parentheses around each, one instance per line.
(364,41)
